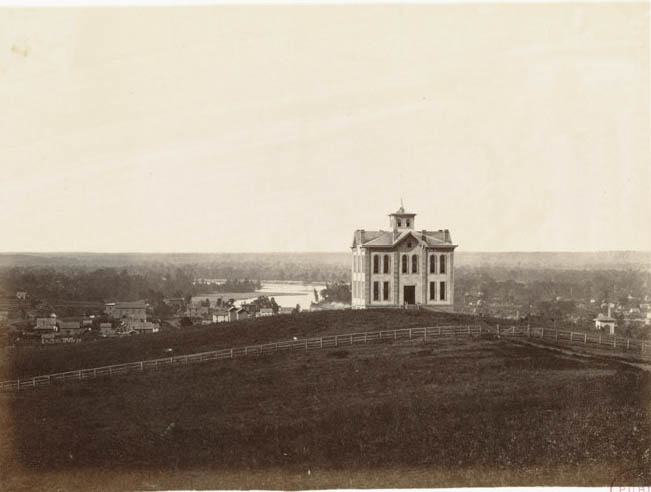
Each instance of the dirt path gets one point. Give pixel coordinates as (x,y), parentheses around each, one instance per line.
(644,367)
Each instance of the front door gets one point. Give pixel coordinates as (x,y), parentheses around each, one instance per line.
(409,294)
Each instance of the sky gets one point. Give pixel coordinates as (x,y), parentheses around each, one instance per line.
(285,128)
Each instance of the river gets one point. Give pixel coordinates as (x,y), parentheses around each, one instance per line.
(286,294)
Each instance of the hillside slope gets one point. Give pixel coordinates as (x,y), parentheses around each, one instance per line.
(458,412)
(26,362)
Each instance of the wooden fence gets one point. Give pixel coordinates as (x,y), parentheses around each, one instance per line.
(636,346)
(238,352)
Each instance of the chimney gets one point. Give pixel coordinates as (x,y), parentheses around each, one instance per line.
(609,310)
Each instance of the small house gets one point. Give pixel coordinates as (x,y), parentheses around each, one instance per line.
(242,313)
(265,312)
(220,316)
(46,324)
(232,313)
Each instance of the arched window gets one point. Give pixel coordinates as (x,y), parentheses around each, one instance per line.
(386,264)
(376,264)
(414,264)
(404,264)
(407,222)
(432,264)
(399,223)
(442,265)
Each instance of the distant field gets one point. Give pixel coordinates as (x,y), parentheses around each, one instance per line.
(461,412)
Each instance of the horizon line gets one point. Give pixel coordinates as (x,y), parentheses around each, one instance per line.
(306,252)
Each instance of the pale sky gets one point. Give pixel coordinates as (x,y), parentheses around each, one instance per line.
(285,128)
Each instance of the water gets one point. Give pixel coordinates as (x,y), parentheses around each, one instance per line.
(286,294)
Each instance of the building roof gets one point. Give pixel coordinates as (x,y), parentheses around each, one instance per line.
(128,304)
(602,317)
(388,239)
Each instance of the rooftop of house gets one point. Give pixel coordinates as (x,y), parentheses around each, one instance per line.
(392,238)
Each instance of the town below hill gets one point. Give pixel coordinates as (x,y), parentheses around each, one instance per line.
(175,291)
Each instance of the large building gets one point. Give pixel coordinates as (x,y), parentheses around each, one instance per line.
(403,266)
(135,310)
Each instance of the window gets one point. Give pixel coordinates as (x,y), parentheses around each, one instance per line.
(414,264)
(376,291)
(442,266)
(404,264)
(407,222)
(376,264)
(386,263)
(442,291)
(385,291)
(432,291)
(399,223)
(408,244)
(432,264)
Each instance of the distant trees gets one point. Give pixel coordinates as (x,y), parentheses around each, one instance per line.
(337,292)
(265,302)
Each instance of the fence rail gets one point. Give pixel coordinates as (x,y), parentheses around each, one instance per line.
(639,347)
(328,342)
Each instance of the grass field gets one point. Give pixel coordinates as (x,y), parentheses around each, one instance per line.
(28,361)
(459,412)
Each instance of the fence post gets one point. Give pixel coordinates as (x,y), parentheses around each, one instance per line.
(528,330)
(78,375)
(615,342)
(498,330)
(320,342)
(439,330)
(305,344)
(571,333)
(231,353)
(395,334)
(142,366)
(468,330)
(95,372)
(336,340)
(556,334)
(365,337)
(409,332)
(246,351)
(599,338)
(628,343)
(585,338)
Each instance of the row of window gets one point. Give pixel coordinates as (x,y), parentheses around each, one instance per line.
(383,262)
(432,291)
(386,291)
(386,262)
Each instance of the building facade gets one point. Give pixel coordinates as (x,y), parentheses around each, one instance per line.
(135,310)
(403,266)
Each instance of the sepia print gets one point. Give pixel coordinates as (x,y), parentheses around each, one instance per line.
(336,246)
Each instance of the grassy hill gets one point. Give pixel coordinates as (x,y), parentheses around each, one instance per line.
(25,362)
(462,412)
